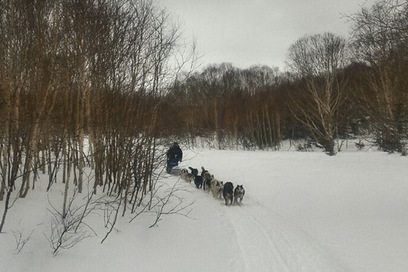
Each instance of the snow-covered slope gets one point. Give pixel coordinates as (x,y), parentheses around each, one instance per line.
(301,212)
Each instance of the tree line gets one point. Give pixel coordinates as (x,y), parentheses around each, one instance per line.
(335,89)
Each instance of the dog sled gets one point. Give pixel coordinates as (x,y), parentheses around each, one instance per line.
(172,168)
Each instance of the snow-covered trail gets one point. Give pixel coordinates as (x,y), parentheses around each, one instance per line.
(268,243)
(351,208)
(259,239)
(258,250)
(262,240)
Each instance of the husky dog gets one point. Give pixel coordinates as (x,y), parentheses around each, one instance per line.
(186,175)
(221,190)
(239,193)
(194,171)
(207,183)
(216,188)
(198,180)
(207,177)
(228,193)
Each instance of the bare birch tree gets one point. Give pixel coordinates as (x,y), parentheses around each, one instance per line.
(317,59)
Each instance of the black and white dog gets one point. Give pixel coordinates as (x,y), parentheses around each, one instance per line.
(239,193)
(228,193)
(198,180)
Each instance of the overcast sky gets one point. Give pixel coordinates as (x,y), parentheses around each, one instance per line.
(250,32)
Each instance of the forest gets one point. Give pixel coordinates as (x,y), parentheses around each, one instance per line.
(92,84)
(334,89)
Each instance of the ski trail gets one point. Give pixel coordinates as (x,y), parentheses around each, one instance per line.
(258,250)
(268,243)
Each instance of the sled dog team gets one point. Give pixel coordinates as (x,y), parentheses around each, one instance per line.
(217,188)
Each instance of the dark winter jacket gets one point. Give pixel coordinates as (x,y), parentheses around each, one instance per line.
(175,153)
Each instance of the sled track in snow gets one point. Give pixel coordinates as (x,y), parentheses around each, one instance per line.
(258,251)
(268,243)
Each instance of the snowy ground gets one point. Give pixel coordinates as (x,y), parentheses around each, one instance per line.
(302,212)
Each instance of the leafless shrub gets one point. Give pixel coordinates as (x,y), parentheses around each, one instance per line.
(69,229)
(167,201)
(20,239)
